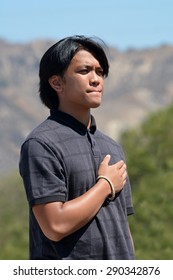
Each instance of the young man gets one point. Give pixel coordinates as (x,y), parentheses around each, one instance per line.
(75,176)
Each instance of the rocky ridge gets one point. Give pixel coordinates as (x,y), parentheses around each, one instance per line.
(140,82)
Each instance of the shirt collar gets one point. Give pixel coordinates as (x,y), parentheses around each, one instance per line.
(71,122)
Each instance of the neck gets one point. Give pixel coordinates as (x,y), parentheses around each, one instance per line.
(83,117)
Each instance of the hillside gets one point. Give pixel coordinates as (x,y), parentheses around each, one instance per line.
(140,82)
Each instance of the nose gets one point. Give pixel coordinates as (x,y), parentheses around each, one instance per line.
(94,78)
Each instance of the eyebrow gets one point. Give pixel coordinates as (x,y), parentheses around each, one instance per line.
(89,66)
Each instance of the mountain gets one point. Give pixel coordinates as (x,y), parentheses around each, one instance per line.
(139,83)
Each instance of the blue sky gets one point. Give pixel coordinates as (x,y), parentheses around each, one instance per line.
(120,23)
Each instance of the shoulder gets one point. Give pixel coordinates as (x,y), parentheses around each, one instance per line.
(46,132)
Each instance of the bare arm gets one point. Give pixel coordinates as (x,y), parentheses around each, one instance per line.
(58,219)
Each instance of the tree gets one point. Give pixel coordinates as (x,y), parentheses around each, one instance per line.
(149,154)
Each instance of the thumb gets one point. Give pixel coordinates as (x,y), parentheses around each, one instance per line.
(106,159)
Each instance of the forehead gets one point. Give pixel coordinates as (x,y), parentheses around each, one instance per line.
(84,57)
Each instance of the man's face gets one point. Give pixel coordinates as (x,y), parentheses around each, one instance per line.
(83,83)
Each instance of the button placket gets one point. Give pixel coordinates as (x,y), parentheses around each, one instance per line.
(95,151)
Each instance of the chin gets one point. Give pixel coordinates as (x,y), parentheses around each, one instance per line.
(95,105)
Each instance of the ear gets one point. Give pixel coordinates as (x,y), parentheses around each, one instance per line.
(56,83)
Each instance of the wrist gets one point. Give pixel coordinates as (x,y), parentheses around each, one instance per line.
(112,193)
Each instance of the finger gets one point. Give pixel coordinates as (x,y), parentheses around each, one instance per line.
(124,175)
(120,164)
(124,182)
(124,168)
(106,159)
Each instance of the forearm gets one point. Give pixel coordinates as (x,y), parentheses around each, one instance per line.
(58,220)
(81,210)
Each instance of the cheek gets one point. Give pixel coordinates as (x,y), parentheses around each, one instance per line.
(73,82)
(79,84)
(102,85)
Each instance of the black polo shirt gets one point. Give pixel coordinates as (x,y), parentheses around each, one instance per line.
(59,162)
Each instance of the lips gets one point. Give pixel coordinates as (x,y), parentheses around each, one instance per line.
(94,91)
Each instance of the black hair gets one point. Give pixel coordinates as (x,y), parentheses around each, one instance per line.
(57,58)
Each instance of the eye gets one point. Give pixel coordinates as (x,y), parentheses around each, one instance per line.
(83,71)
(100,72)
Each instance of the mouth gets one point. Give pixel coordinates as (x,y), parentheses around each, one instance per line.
(94,91)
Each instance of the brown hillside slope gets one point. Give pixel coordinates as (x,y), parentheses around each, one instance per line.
(140,82)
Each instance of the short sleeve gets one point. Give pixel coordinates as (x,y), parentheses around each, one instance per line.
(42,173)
